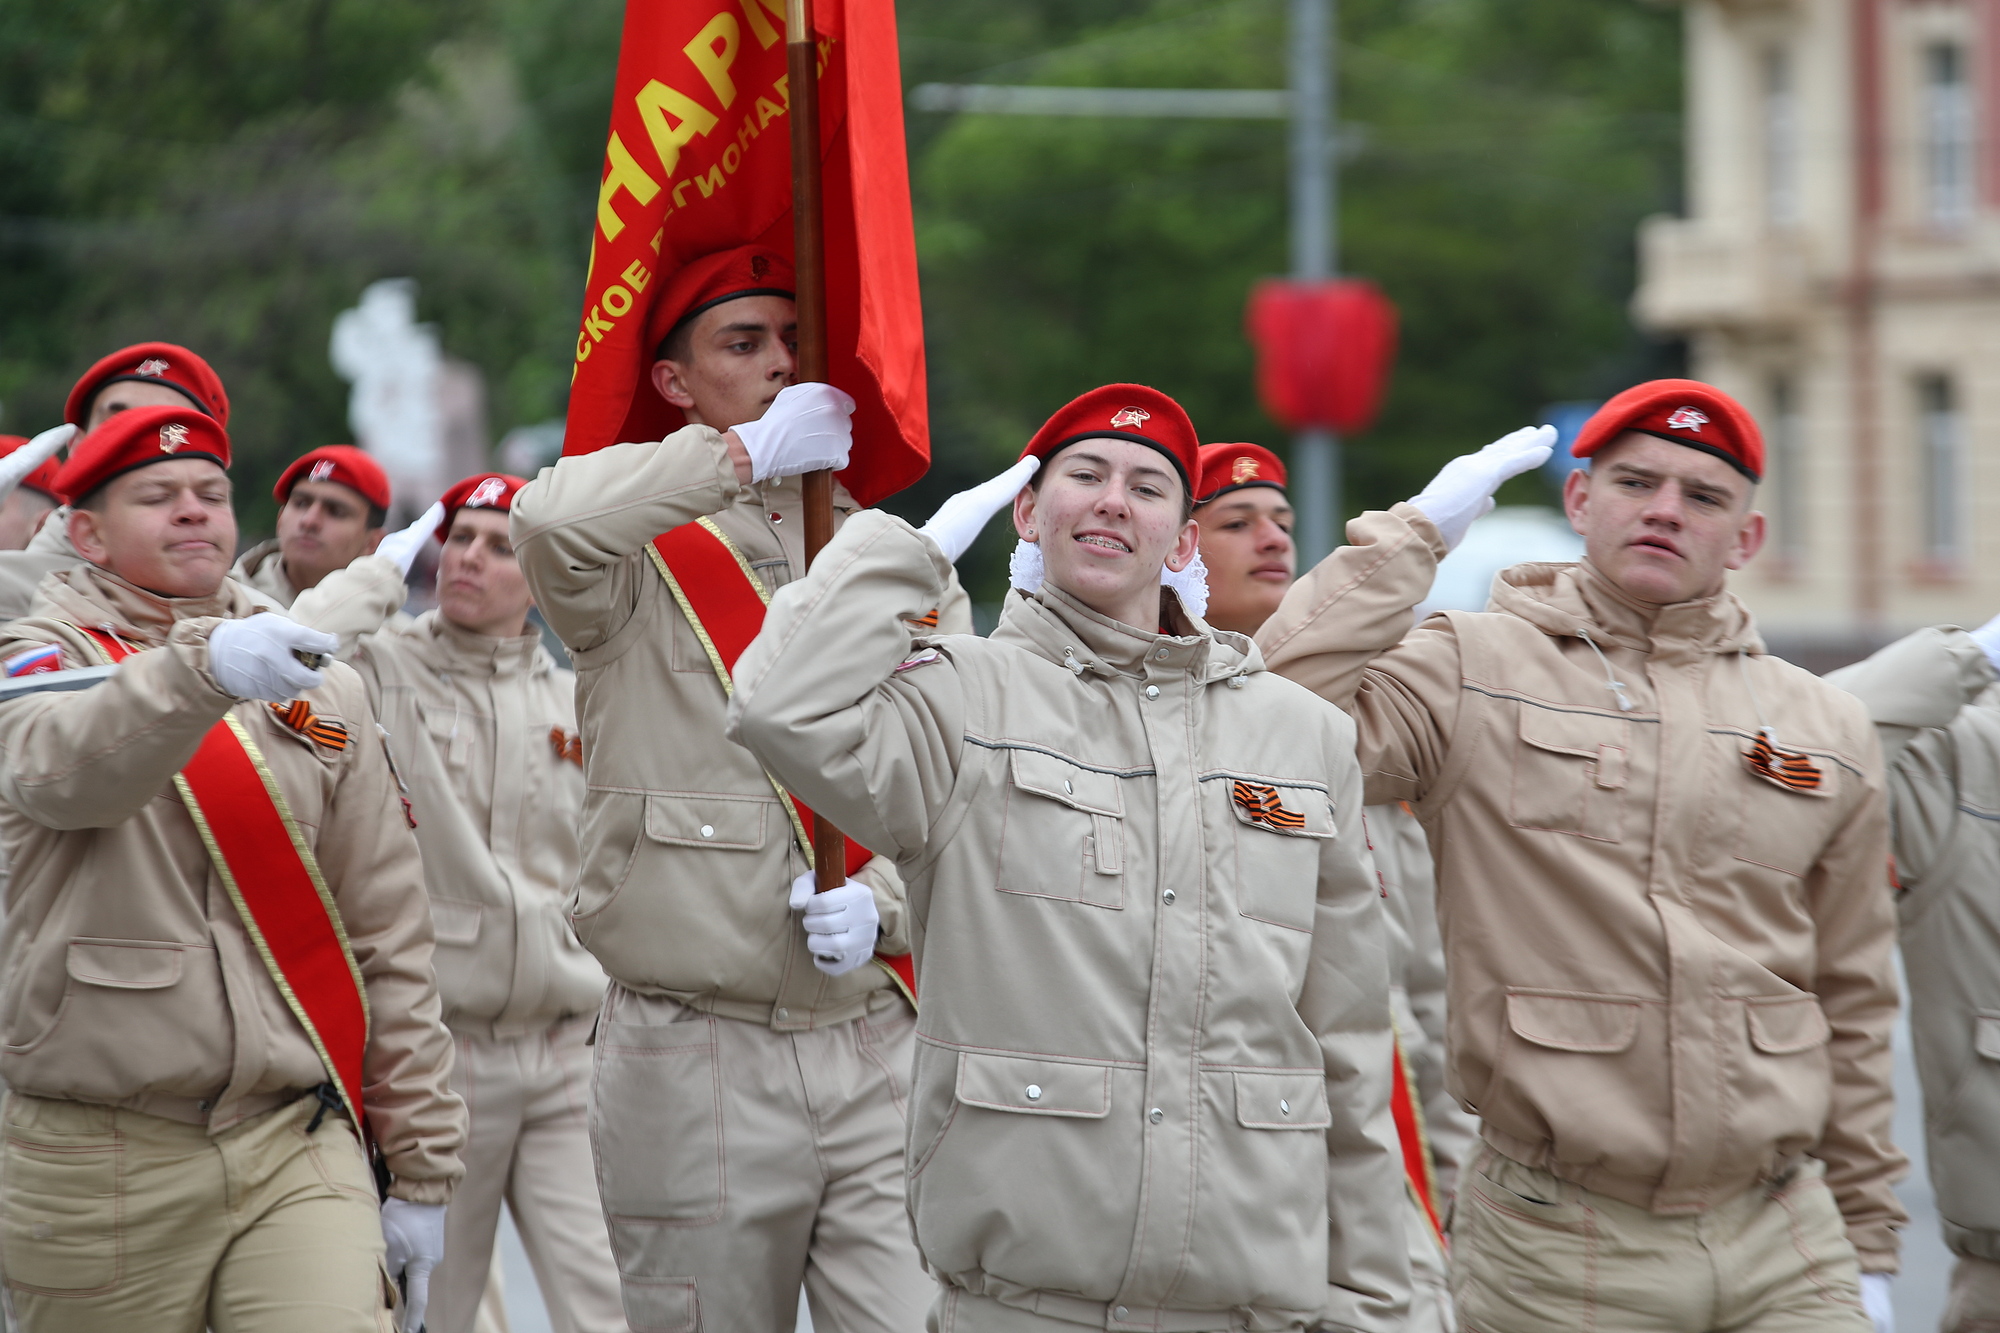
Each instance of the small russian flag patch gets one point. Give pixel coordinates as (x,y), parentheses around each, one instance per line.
(34,661)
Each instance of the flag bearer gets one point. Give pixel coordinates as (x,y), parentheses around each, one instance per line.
(751,1068)
(1662,884)
(481,723)
(1246,546)
(218,950)
(1152,1078)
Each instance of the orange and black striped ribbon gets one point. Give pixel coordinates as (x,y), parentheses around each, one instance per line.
(567,746)
(299,716)
(1787,768)
(1261,803)
(927,621)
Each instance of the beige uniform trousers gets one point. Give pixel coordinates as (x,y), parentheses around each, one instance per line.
(1534,1254)
(736,1162)
(118,1220)
(529,1147)
(1975,1297)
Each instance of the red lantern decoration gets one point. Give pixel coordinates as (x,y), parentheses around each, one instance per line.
(1323,351)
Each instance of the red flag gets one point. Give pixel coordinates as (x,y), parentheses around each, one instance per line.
(699,160)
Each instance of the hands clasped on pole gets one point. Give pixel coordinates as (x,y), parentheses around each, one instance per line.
(841,924)
(806,429)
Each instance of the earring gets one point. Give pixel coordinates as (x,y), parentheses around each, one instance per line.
(1031,532)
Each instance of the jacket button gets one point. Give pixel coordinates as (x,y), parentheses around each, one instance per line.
(1152,691)
(708,830)
(1034,1092)
(1156,1115)
(777,518)
(1168,897)
(1160,656)
(1120,1312)
(1284,1107)
(784,1013)
(1068,788)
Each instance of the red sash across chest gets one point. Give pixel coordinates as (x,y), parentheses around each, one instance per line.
(724,602)
(264,861)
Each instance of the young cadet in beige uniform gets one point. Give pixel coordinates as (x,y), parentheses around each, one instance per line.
(1663,887)
(143,375)
(218,951)
(482,726)
(1246,547)
(333,503)
(1152,1081)
(748,1099)
(1937,709)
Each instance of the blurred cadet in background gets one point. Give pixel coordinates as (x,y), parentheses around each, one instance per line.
(332,505)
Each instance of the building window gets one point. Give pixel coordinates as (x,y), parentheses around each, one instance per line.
(1941,433)
(1781,141)
(1788,482)
(1947,133)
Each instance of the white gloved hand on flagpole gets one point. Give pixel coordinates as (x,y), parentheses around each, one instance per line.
(960,520)
(32,455)
(1463,488)
(841,924)
(805,429)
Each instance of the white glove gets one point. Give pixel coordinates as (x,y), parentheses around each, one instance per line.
(1987,636)
(402,546)
(964,516)
(414,1236)
(841,924)
(1463,489)
(252,659)
(805,429)
(32,455)
(1876,1301)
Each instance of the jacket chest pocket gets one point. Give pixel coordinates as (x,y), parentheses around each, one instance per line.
(1783,828)
(1570,773)
(1279,829)
(1063,835)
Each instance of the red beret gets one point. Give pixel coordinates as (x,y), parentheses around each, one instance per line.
(1231,467)
(138,437)
(488,490)
(351,467)
(151,363)
(1687,412)
(1123,412)
(43,478)
(748,270)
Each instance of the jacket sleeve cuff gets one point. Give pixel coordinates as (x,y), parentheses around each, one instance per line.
(882,877)
(421,1191)
(188,642)
(1418,521)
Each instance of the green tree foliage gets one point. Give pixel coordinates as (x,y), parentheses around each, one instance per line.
(230,173)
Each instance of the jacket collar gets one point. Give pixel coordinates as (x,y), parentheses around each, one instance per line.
(1053,624)
(53,537)
(263,567)
(450,647)
(1575,600)
(95,598)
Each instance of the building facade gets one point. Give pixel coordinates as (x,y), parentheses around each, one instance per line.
(1839,272)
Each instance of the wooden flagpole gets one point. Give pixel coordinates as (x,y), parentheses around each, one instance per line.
(809,259)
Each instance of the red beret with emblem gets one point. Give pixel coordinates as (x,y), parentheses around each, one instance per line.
(1231,467)
(488,490)
(43,478)
(151,363)
(343,463)
(1123,412)
(135,438)
(748,270)
(1687,412)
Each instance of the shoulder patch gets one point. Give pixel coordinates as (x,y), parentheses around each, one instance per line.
(34,661)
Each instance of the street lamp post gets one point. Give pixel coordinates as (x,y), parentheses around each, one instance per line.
(1315,253)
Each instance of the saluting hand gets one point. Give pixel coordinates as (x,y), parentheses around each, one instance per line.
(1463,488)
(964,516)
(402,546)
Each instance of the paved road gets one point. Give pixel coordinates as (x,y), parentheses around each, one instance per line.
(1920,1291)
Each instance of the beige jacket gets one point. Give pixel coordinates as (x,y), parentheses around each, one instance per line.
(1937,710)
(1417,984)
(130,979)
(473,725)
(349,612)
(1152,1077)
(688,856)
(21,572)
(1668,975)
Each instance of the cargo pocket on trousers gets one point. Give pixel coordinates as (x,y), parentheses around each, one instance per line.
(656,1119)
(666,1305)
(59,1224)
